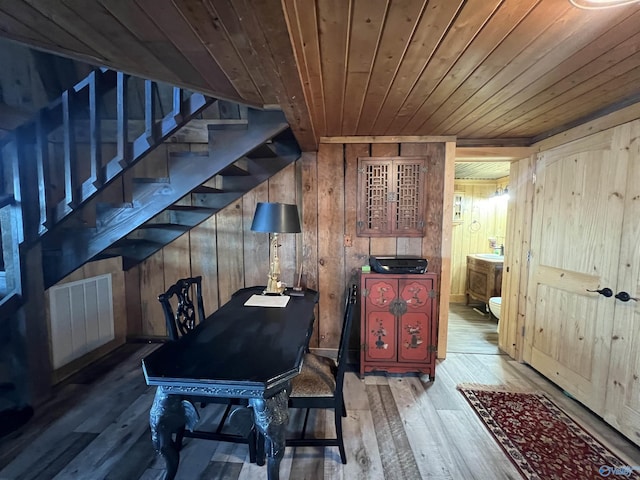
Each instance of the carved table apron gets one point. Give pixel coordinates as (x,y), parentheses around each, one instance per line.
(237,352)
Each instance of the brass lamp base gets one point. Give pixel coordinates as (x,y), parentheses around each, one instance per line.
(274,291)
(274,285)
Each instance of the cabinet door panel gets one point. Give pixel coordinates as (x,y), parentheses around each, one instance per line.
(416,294)
(414,337)
(381,336)
(380,293)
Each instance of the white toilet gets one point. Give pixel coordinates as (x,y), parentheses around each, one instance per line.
(495,304)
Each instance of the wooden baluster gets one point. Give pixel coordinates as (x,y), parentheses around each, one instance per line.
(177,105)
(11,151)
(70,156)
(123,120)
(96,176)
(42,167)
(149,111)
(123,155)
(24,167)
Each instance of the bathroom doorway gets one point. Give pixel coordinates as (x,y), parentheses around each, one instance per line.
(479,228)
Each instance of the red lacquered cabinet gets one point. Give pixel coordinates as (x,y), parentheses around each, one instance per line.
(399,323)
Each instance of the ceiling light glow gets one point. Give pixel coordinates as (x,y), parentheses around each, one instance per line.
(600,4)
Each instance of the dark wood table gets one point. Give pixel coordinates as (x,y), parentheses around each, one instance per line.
(237,352)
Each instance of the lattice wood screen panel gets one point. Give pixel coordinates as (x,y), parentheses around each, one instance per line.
(391,196)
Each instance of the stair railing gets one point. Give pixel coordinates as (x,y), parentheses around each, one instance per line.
(52,187)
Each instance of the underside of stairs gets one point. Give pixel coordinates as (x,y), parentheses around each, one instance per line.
(79,199)
(161,209)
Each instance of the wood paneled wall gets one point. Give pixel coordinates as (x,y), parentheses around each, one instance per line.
(222,249)
(483,217)
(230,256)
(516,269)
(341,253)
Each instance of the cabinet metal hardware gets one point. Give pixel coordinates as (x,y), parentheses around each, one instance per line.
(606,292)
(625,297)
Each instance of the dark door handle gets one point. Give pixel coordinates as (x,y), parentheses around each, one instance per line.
(625,297)
(605,292)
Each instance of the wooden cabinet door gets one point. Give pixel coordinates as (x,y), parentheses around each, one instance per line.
(415,324)
(578,214)
(380,323)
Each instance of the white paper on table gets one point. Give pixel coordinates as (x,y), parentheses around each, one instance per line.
(267,301)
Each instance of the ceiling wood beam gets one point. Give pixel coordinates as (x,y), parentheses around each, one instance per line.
(388,139)
(492,154)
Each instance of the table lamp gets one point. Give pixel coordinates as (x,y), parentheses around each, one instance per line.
(275,218)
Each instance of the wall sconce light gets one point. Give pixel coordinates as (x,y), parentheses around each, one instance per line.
(600,4)
(275,218)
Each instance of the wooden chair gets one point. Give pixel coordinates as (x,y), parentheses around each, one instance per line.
(186,315)
(320,385)
(182,315)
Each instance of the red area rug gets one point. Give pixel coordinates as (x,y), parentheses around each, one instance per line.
(541,440)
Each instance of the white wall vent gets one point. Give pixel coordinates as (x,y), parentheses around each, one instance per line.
(81,318)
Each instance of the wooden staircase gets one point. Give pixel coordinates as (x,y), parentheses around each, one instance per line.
(161,209)
(79,204)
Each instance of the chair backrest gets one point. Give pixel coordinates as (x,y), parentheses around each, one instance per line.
(186,315)
(352,297)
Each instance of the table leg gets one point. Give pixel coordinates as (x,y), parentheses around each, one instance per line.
(271,416)
(169,414)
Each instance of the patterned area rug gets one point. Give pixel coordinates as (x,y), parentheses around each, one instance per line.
(540,439)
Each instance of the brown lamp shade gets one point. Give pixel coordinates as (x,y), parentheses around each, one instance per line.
(276,218)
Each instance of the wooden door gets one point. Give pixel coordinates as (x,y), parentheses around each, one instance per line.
(577,222)
(622,409)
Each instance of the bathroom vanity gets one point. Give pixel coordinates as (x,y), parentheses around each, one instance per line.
(484,276)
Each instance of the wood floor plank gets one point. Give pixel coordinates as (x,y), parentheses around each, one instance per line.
(221,471)
(250,471)
(454,459)
(357,393)
(397,457)
(361,445)
(50,464)
(110,446)
(196,454)
(112,403)
(307,461)
(481,453)
(423,443)
(152,474)
(470,331)
(140,458)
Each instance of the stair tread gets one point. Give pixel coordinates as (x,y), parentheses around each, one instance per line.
(190,208)
(166,226)
(151,180)
(129,242)
(233,171)
(205,189)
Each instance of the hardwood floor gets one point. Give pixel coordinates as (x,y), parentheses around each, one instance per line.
(470,331)
(96,427)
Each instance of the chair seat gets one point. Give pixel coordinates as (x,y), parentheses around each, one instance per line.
(316,379)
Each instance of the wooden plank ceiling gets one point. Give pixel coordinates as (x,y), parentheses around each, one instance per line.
(491,72)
